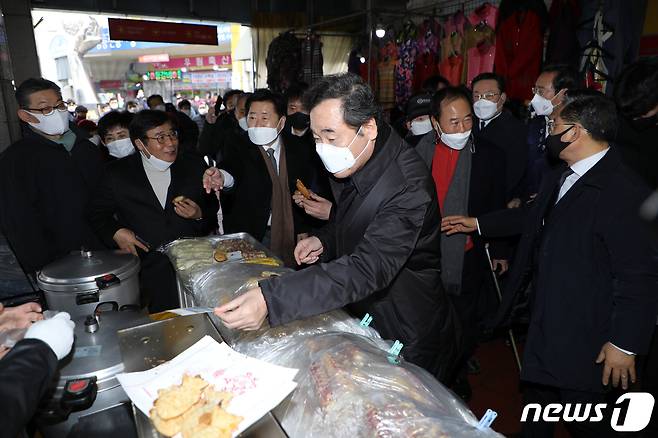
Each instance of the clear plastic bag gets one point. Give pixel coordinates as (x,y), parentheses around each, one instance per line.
(347,387)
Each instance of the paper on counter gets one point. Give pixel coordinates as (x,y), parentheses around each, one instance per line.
(257,386)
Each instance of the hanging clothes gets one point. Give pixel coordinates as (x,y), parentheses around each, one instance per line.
(487,14)
(283,62)
(407,51)
(386,75)
(519,47)
(312,58)
(427,61)
(479,42)
(451,68)
(452,43)
(562,46)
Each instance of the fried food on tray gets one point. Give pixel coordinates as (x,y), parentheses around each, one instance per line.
(194,409)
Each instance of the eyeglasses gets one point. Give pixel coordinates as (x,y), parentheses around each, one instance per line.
(488,96)
(551,126)
(541,90)
(48,110)
(162,138)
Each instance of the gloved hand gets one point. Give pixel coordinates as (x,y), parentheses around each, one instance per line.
(57,332)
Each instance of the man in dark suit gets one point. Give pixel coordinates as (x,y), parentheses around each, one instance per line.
(500,127)
(469,176)
(380,250)
(595,270)
(260,177)
(137,206)
(46,179)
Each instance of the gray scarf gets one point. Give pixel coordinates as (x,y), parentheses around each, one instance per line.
(456,203)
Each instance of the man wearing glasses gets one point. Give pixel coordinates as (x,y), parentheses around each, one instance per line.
(46,179)
(498,126)
(151,198)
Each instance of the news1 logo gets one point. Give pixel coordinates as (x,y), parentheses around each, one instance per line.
(636,405)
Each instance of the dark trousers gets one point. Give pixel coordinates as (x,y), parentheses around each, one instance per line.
(543,395)
(648,371)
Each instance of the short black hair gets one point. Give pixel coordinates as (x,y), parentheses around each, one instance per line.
(358,101)
(131,103)
(31,86)
(448,95)
(490,77)
(636,89)
(184,104)
(231,93)
(146,120)
(81,109)
(265,95)
(432,83)
(153,97)
(594,111)
(566,77)
(295,91)
(113,119)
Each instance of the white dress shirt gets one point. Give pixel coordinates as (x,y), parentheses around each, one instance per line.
(159,180)
(580,168)
(486,122)
(229,181)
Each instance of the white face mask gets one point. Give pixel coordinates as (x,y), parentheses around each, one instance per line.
(485,109)
(159,164)
(421,127)
(337,159)
(263,136)
(121,148)
(456,141)
(243,123)
(95,139)
(56,123)
(541,105)
(159,107)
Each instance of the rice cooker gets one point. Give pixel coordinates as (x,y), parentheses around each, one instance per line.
(85,393)
(80,281)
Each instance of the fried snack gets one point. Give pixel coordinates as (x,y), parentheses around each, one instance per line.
(302,189)
(220,256)
(194,383)
(211,421)
(179,199)
(250,255)
(166,427)
(173,402)
(268,261)
(221,398)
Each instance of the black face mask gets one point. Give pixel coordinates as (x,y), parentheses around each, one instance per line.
(299,120)
(554,145)
(644,123)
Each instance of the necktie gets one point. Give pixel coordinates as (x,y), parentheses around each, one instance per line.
(563,178)
(270,153)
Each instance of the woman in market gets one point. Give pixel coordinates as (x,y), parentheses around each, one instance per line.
(148,199)
(379,253)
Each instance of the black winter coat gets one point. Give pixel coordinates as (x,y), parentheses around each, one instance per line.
(381,256)
(43,193)
(595,273)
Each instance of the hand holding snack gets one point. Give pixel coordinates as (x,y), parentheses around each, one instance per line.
(186,208)
(317,206)
(302,189)
(128,242)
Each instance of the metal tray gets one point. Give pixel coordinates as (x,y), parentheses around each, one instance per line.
(184,298)
(146,346)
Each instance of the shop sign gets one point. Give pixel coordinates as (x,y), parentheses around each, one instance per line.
(162,57)
(162,32)
(165,75)
(201,62)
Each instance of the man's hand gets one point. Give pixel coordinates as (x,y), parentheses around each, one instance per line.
(317,206)
(19,317)
(213,179)
(502,264)
(308,251)
(514,203)
(246,312)
(127,242)
(618,364)
(187,209)
(210,116)
(458,224)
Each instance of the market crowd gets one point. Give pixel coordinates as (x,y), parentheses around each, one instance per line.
(409,220)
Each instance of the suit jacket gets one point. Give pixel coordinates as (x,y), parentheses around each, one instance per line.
(125,199)
(509,135)
(43,192)
(381,256)
(595,273)
(487,185)
(251,195)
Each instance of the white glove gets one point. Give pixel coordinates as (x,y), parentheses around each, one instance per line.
(57,332)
